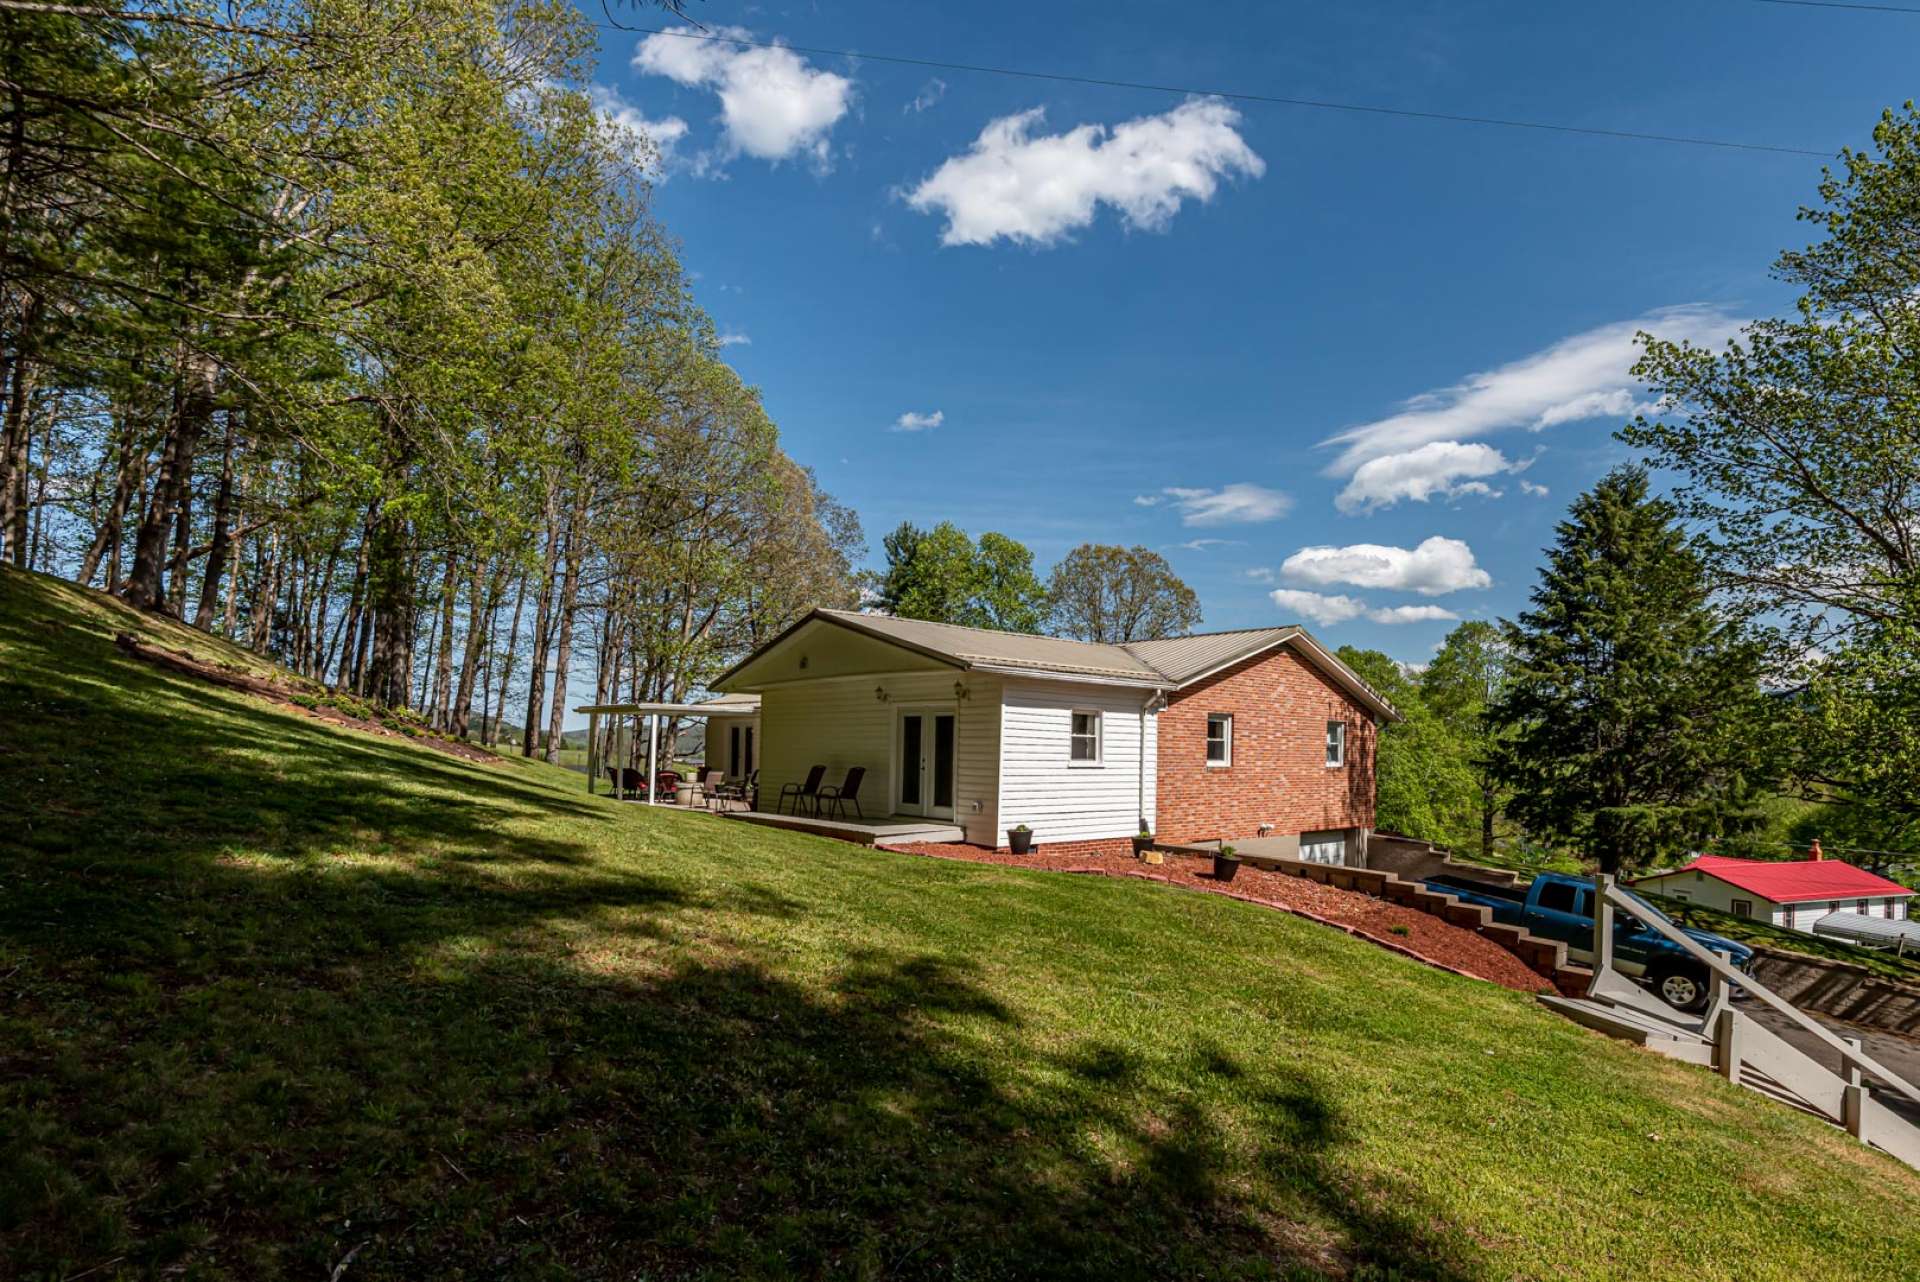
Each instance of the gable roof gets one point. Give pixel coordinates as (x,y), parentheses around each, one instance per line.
(1154,665)
(1791,881)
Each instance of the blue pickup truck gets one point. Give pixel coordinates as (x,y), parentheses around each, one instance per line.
(1556,906)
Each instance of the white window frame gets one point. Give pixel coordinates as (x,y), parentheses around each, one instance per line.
(1226,740)
(1099,738)
(1336,744)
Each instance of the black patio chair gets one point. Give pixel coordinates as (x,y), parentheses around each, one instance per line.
(835,799)
(808,792)
(740,790)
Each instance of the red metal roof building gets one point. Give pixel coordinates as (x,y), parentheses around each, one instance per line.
(1793,892)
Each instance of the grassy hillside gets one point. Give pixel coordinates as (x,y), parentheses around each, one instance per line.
(274,994)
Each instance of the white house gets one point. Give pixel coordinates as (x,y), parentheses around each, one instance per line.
(1794,893)
(983,730)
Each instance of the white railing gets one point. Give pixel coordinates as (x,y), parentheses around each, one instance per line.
(1743,1047)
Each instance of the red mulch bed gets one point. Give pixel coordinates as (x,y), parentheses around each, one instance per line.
(1427,938)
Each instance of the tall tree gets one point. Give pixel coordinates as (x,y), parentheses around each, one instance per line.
(943,576)
(1101,592)
(1801,446)
(1423,780)
(1468,676)
(1632,724)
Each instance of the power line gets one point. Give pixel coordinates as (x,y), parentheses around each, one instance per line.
(1318,104)
(1841,4)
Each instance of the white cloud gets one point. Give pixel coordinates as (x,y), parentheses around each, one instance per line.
(731,339)
(912,422)
(1585,376)
(931,92)
(1327,610)
(1037,190)
(1260,574)
(1148,500)
(1201,545)
(773,104)
(1528,487)
(1239,503)
(1442,469)
(1436,567)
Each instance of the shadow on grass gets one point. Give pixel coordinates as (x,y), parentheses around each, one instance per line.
(247,1069)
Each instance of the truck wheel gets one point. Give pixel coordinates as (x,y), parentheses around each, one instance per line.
(1682,987)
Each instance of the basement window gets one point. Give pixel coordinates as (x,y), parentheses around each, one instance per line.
(1085,740)
(1219,738)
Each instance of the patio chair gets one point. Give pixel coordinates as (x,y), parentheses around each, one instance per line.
(835,799)
(808,792)
(710,784)
(743,791)
(627,779)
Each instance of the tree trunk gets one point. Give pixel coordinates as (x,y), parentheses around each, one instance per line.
(222,536)
(14,439)
(390,584)
(265,594)
(356,604)
(563,654)
(537,673)
(443,654)
(145,587)
(182,546)
(130,476)
(506,664)
(482,596)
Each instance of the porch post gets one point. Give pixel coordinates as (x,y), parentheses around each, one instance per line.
(593,748)
(653,752)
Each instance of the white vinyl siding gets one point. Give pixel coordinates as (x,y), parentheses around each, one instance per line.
(1062,799)
(840,722)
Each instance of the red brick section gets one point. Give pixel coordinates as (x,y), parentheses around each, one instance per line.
(1280,705)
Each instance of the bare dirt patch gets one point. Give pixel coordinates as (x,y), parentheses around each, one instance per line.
(1401,929)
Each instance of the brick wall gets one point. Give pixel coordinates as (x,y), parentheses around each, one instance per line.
(1080,849)
(1280,705)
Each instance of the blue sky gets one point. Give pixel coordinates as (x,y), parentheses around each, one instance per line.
(1341,369)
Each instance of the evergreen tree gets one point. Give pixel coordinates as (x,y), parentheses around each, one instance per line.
(1633,721)
(1424,784)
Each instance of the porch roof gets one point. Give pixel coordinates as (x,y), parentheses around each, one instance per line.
(735,705)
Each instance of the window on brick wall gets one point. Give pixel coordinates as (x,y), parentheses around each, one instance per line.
(1084,749)
(1219,738)
(1336,743)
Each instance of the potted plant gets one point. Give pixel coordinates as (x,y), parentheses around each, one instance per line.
(1226,862)
(1020,839)
(1143,843)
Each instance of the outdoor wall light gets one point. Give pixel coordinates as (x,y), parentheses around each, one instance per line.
(880,693)
(960,690)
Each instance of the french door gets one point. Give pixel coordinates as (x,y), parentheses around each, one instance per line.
(925,739)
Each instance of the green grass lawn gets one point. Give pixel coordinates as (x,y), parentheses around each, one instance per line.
(272,993)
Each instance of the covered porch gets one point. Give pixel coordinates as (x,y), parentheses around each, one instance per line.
(633,737)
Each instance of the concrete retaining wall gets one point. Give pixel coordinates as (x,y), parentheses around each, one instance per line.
(1840,989)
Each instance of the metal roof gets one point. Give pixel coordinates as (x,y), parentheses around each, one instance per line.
(1791,881)
(1181,659)
(726,704)
(984,646)
(1875,932)
(1164,665)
